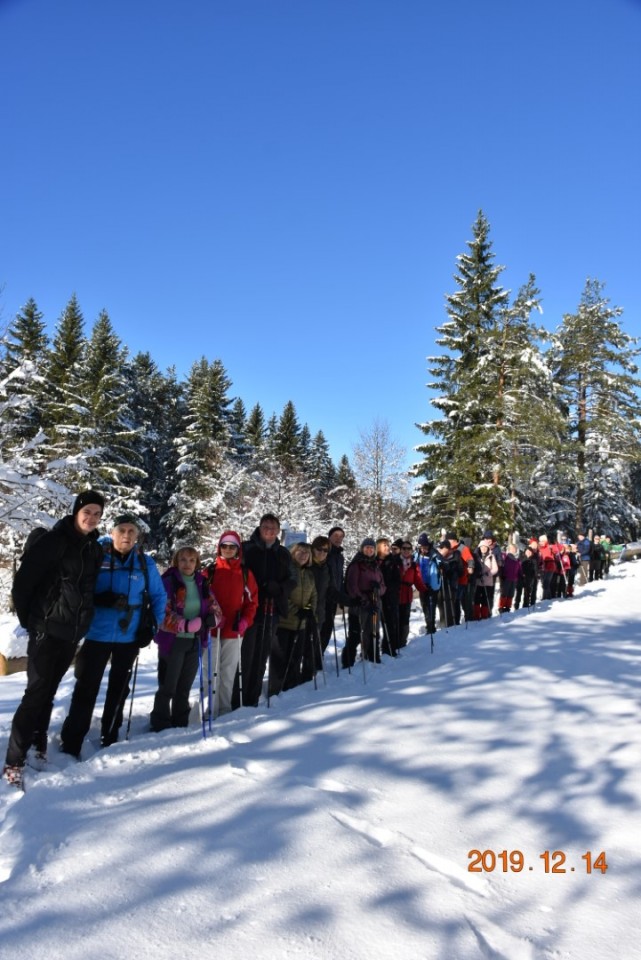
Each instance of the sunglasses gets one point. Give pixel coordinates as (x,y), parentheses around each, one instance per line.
(321,549)
(228,546)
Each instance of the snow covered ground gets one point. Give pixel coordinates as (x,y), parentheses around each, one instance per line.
(340,822)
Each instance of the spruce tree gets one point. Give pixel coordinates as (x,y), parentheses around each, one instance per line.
(115,464)
(456,480)
(156,416)
(596,369)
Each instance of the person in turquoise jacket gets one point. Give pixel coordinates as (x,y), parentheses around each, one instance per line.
(112,634)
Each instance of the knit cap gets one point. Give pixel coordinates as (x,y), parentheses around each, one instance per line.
(85,498)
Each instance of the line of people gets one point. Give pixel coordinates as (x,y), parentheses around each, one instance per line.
(270,611)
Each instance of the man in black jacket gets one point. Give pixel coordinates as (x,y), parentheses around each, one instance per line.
(271,565)
(53,598)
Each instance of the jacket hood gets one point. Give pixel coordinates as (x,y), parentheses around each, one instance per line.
(231,535)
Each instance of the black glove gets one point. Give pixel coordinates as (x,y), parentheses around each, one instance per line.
(144,642)
(210,621)
(115,601)
(272,589)
(304,614)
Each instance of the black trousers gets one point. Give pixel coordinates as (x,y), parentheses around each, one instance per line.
(90,667)
(176,675)
(49,660)
(257,644)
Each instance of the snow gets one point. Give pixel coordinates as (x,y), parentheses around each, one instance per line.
(338,823)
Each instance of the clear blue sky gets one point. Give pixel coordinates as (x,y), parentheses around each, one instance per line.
(286,184)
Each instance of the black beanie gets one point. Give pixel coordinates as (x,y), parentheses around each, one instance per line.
(87,497)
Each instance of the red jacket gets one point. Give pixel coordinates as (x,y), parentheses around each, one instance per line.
(410,578)
(235,589)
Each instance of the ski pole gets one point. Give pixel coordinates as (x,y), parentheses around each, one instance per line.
(316,635)
(335,648)
(133,691)
(210,704)
(216,670)
(349,666)
(240,669)
(202,688)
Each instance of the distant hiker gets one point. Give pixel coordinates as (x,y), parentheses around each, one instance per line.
(191,612)
(236,591)
(53,595)
(597,559)
(391,566)
(118,601)
(365,586)
(487,570)
(584,549)
(335,593)
(410,580)
(322,578)
(510,575)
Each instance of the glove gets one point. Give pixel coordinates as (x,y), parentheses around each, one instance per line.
(210,621)
(193,626)
(272,588)
(304,614)
(242,627)
(114,601)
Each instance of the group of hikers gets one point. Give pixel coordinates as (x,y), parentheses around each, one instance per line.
(259,609)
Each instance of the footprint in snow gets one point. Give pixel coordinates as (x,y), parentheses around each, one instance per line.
(381,837)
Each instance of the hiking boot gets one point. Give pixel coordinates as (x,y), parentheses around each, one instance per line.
(14,776)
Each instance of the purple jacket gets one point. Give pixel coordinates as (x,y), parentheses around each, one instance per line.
(511,568)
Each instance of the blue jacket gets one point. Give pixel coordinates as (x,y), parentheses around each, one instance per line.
(127,580)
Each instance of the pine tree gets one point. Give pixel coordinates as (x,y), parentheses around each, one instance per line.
(115,464)
(596,368)
(199,502)
(454,491)
(287,448)
(255,428)
(156,416)
(240,446)
(64,409)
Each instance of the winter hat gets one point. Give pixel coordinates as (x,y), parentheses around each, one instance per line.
(230,537)
(368,542)
(451,536)
(423,540)
(488,535)
(87,497)
(399,543)
(127,518)
(444,543)
(334,529)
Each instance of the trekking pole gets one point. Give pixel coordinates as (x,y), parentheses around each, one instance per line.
(210,704)
(392,651)
(202,688)
(216,670)
(360,631)
(133,691)
(290,659)
(240,669)
(375,603)
(349,666)
(335,649)
(316,636)
(269,612)
(432,615)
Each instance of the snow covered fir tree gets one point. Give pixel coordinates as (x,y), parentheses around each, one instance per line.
(534,430)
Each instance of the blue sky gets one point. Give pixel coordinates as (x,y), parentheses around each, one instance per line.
(286,184)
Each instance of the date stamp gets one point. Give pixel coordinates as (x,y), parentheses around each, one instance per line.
(552,861)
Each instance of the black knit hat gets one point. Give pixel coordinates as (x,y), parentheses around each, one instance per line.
(87,497)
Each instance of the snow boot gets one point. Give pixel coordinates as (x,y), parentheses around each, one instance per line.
(14,776)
